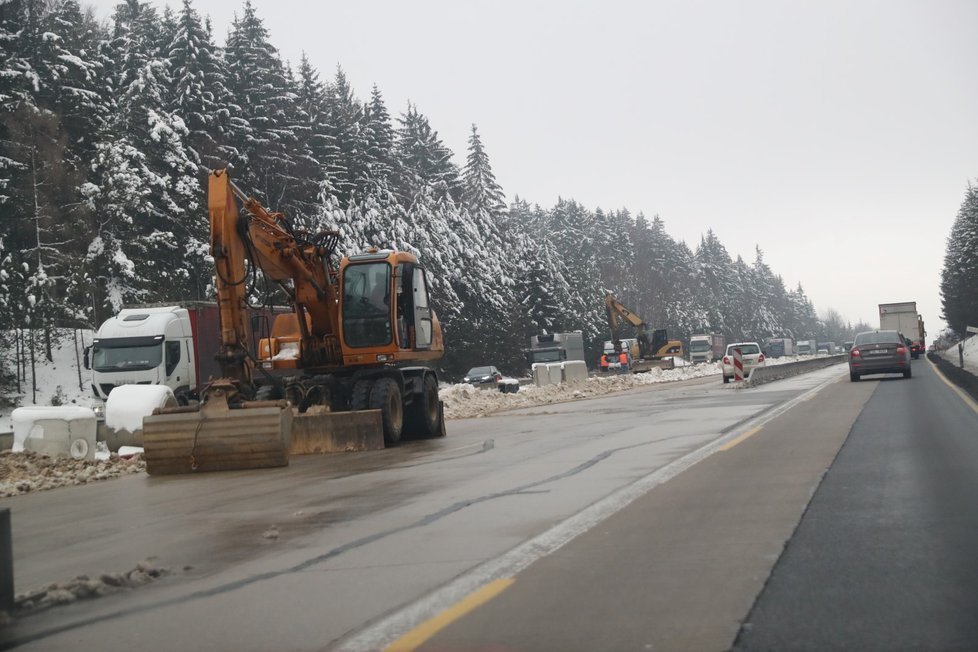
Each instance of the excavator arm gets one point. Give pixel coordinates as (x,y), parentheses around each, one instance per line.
(617,311)
(301,267)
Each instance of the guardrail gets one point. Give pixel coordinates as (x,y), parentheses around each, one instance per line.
(766,374)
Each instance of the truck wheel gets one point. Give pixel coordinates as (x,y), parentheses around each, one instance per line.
(423,414)
(360,399)
(726,379)
(386,397)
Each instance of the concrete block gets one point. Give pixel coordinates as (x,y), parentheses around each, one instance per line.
(66,430)
(574,371)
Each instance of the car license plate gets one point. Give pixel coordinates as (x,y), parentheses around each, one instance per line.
(879,352)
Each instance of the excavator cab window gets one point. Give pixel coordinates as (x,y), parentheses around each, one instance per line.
(366,305)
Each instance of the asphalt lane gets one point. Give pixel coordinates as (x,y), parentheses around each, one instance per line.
(360,535)
(680,567)
(885,557)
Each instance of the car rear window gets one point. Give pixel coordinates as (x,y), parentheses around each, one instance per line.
(879,337)
(745,349)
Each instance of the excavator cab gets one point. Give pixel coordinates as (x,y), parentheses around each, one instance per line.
(385,314)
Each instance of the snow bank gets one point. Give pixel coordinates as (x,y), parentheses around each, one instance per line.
(970,348)
(464,401)
(128,404)
(29,472)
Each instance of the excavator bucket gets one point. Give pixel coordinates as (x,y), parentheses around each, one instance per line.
(216,437)
(336,432)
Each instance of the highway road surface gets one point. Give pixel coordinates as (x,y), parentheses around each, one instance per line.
(809,513)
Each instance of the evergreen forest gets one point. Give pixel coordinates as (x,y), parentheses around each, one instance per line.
(107,130)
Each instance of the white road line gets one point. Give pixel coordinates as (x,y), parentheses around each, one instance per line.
(388,629)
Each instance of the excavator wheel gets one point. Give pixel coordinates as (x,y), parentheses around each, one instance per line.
(360,399)
(423,416)
(385,396)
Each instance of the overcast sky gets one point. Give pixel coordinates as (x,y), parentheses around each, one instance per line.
(840,136)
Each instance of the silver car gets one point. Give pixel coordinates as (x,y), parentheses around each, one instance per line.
(879,352)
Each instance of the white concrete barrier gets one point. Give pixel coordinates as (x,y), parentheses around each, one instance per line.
(767,373)
(64,430)
(574,371)
(547,373)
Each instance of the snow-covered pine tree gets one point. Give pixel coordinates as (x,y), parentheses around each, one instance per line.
(379,134)
(713,267)
(959,276)
(265,138)
(347,122)
(199,93)
(423,160)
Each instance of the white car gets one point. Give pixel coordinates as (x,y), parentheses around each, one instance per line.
(751,356)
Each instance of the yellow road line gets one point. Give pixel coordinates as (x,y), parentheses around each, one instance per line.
(733,442)
(970,402)
(417,636)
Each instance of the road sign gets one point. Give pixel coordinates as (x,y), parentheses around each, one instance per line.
(972,329)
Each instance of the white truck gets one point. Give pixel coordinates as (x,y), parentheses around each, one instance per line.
(775,347)
(556,347)
(159,345)
(903,317)
(806,347)
(706,347)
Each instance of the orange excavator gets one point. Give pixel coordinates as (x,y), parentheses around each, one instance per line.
(352,353)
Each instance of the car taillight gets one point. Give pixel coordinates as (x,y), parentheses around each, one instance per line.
(901,350)
(726,360)
(760,358)
(855,353)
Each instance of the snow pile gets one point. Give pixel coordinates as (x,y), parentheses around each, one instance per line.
(970,349)
(83,588)
(128,404)
(27,472)
(464,401)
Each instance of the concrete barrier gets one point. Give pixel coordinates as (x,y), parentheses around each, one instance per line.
(574,371)
(66,430)
(766,374)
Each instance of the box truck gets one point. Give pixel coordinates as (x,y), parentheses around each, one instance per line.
(775,347)
(706,347)
(556,347)
(903,317)
(806,347)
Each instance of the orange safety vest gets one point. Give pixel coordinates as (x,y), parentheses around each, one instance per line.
(623,358)
(604,360)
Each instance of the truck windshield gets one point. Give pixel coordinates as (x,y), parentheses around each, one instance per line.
(699,345)
(546,356)
(366,304)
(127,358)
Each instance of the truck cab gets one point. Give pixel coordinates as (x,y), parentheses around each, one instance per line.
(144,346)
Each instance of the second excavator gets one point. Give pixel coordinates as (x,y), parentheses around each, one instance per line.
(646,353)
